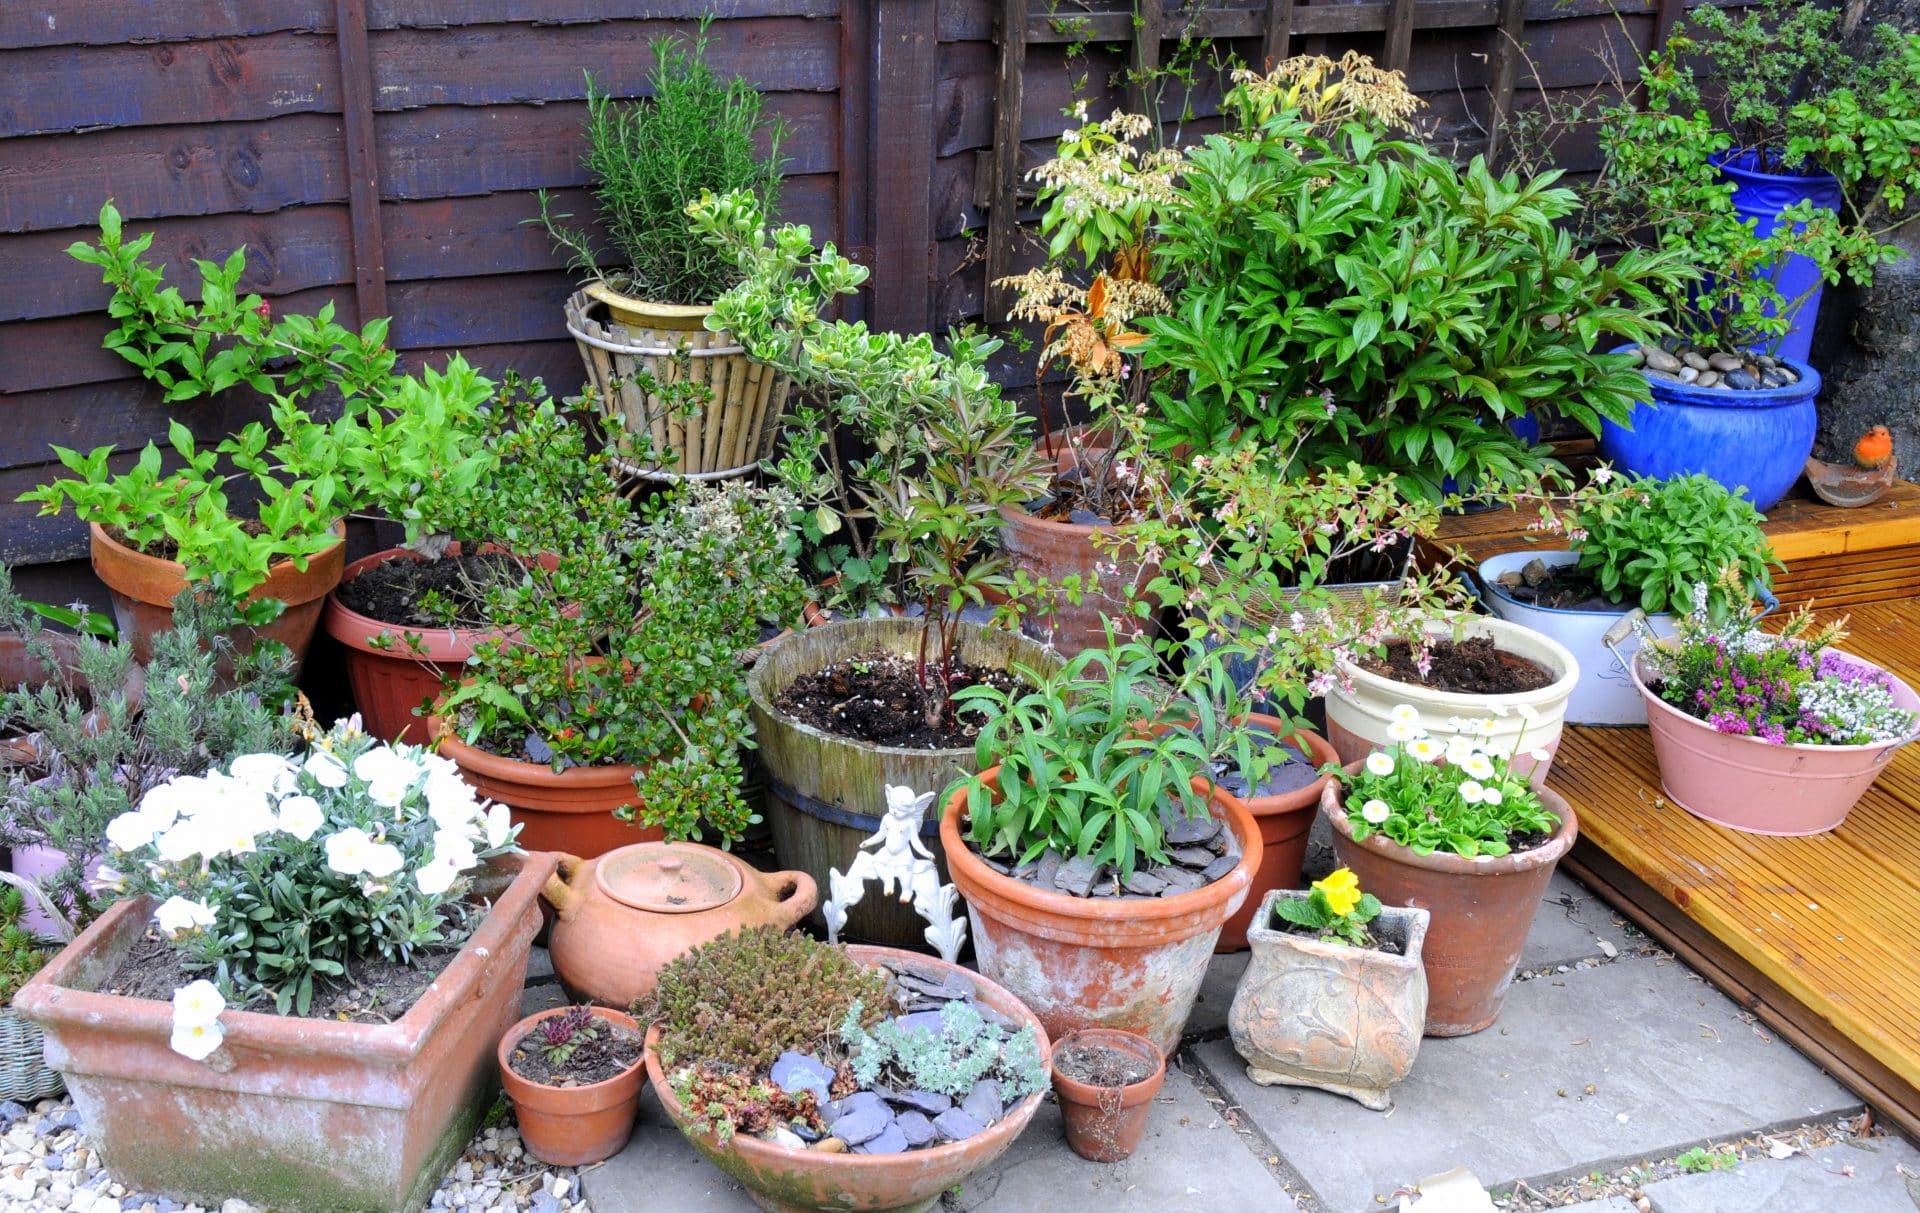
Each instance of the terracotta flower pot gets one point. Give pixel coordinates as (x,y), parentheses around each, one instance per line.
(302,1115)
(573,1126)
(826,794)
(1105,1124)
(1329,1015)
(800,1181)
(389,682)
(571,812)
(1133,963)
(1756,787)
(621,918)
(1285,821)
(143,589)
(1524,721)
(1482,909)
(18,669)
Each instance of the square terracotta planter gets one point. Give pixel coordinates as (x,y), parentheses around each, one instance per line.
(299,1115)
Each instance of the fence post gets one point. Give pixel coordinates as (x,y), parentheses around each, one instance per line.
(363,186)
(1003,214)
(905,72)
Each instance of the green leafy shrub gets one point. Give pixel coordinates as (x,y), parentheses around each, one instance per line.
(747,997)
(652,157)
(965,1050)
(1653,540)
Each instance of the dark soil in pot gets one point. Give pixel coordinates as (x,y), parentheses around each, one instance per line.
(1291,769)
(1562,588)
(373,991)
(1102,1065)
(1476,666)
(395,591)
(611,1052)
(877,698)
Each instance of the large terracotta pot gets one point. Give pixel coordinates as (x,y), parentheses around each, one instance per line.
(1053,551)
(1526,721)
(1482,909)
(1133,963)
(620,918)
(572,1126)
(571,812)
(1756,787)
(1105,1124)
(301,1115)
(403,671)
(786,1180)
(826,794)
(1328,1015)
(143,589)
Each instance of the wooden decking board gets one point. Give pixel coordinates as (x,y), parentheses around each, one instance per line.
(1817,931)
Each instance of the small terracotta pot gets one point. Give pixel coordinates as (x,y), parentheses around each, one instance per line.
(1053,551)
(621,918)
(390,682)
(802,1181)
(1482,908)
(1344,1019)
(1133,963)
(571,812)
(573,1126)
(143,589)
(1105,1124)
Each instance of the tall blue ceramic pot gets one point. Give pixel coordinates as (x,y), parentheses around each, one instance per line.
(1758,441)
(1761,197)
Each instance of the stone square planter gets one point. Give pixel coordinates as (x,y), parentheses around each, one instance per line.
(297,1115)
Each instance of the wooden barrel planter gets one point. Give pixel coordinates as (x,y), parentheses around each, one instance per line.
(826,794)
(623,339)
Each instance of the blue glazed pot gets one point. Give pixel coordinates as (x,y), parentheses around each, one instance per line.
(1758,441)
(1761,197)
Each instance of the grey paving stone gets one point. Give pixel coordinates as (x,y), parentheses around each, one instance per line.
(539,965)
(1606,1204)
(1570,925)
(1216,994)
(1858,1177)
(1190,1158)
(539,998)
(1668,1058)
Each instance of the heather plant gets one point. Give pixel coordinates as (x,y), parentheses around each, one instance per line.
(1452,796)
(651,157)
(276,873)
(100,757)
(1784,688)
(950,1061)
(738,1002)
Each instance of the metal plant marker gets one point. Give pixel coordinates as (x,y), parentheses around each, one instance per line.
(896,857)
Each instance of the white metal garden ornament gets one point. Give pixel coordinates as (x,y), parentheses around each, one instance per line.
(899,860)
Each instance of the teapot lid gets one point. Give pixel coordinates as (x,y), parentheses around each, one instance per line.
(668,877)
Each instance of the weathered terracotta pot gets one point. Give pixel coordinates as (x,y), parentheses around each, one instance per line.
(785,1180)
(1482,909)
(18,669)
(390,681)
(1285,821)
(1343,1019)
(302,1115)
(571,812)
(1105,1124)
(573,1126)
(1132,963)
(143,589)
(620,918)
(826,794)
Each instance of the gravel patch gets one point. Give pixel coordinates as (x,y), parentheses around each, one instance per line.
(46,1163)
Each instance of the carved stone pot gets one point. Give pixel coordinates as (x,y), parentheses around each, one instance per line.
(1344,1019)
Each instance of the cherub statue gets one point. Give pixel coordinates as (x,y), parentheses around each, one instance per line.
(898,860)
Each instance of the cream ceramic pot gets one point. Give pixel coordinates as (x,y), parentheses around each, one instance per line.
(623,916)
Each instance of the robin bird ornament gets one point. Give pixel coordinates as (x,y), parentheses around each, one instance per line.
(1874,448)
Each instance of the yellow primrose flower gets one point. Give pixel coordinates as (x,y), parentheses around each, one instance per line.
(1341,889)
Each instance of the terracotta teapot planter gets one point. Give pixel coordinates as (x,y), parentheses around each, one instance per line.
(1482,909)
(573,1126)
(1344,1019)
(1105,1123)
(623,916)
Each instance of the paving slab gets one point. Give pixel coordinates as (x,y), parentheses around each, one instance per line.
(541,997)
(1571,925)
(1189,1159)
(539,964)
(1606,1204)
(1668,1060)
(1854,1177)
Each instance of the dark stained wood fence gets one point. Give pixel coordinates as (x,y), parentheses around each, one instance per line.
(383,154)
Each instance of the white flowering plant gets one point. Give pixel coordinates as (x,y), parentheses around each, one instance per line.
(1429,794)
(277,872)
